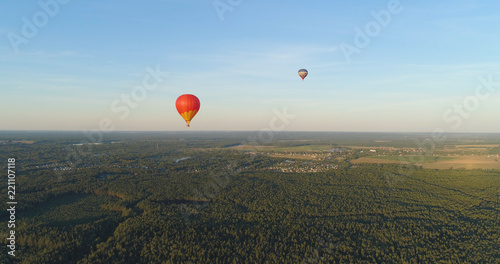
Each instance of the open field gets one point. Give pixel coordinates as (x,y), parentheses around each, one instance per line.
(430,162)
(415,159)
(478,146)
(303,148)
(294,156)
(378,160)
(376,148)
(251,148)
(467,162)
(469,148)
(25,141)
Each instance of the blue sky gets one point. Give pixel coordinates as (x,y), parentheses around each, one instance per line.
(410,76)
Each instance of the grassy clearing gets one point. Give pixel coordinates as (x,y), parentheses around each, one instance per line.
(305,148)
(375,160)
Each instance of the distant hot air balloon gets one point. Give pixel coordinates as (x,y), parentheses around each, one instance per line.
(187,105)
(303,73)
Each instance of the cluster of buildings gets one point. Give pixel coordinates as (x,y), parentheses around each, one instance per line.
(302,166)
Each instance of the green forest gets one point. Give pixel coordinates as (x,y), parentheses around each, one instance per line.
(195,198)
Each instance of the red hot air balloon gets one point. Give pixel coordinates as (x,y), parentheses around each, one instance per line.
(187,105)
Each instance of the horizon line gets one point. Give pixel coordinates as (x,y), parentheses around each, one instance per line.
(286,131)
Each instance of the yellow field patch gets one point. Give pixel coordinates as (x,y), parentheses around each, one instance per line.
(466,162)
(291,156)
(375,160)
(24,141)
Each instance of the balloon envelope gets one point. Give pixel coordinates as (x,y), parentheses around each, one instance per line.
(303,73)
(187,105)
